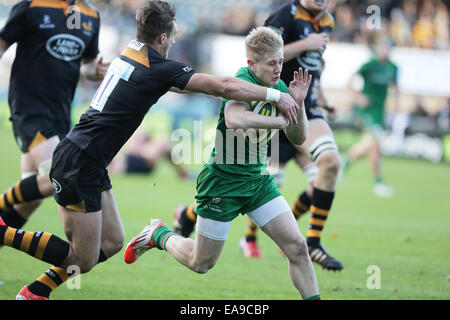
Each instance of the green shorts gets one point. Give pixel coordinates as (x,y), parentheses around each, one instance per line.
(372,120)
(223,199)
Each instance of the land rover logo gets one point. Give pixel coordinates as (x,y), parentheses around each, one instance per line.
(65,47)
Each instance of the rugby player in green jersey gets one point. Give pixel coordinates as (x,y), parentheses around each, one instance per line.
(378,74)
(235,180)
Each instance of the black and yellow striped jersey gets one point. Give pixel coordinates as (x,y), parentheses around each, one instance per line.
(294,22)
(134,82)
(52,37)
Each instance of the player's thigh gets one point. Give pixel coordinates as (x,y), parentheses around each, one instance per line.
(83,231)
(28,166)
(113,232)
(44,151)
(269,211)
(209,240)
(320,144)
(284,231)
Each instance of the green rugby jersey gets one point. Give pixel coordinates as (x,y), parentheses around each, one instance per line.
(235,155)
(377,77)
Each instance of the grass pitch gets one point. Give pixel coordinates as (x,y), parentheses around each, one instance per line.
(407,237)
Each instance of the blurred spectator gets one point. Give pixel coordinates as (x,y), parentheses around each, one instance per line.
(419,23)
(346,28)
(400,28)
(424,30)
(441,22)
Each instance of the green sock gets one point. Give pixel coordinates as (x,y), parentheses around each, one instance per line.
(316,297)
(160,237)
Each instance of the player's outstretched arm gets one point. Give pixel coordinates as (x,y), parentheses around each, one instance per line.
(94,69)
(298,88)
(239,116)
(241,90)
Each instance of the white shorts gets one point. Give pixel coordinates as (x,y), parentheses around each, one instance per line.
(218,230)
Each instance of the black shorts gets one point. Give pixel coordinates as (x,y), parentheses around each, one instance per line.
(30,131)
(77,178)
(286,149)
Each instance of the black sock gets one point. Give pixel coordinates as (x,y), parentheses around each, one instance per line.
(250,230)
(302,205)
(12,218)
(53,278)
(185,219)
(41,245)
(320,208)
(23,191)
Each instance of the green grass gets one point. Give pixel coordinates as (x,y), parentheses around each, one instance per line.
(407,236)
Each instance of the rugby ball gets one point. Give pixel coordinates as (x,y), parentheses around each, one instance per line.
(265,108)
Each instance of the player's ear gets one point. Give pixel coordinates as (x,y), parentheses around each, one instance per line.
(251,64)
(162,37)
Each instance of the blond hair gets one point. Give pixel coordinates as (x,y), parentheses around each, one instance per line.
(261,40)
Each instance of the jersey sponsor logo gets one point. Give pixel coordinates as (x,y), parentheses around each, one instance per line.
(65,47)
(46,23)
(87,28)
(306,31)
(56,186)
(293,9)
(136,45)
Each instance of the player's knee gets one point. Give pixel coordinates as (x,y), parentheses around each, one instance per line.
(45,185)
(298,250)
(112,246)
(329,162)
(86,264)
(203,267)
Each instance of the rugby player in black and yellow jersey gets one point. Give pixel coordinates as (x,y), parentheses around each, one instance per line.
(134,82)
(46,69)
(306,26)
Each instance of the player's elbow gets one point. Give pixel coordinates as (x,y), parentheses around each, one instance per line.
(297,135)
(229,122)
(232,122)
(301,139)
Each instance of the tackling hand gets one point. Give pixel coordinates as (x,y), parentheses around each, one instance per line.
(288,107)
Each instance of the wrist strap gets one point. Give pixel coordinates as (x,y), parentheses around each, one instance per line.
(273,95)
